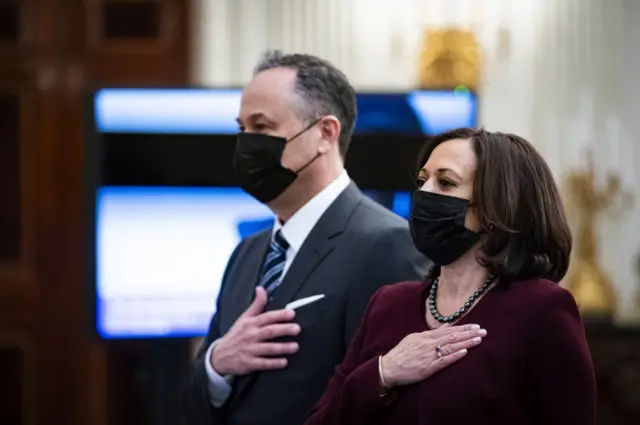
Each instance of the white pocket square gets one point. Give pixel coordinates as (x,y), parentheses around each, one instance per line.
(303,301)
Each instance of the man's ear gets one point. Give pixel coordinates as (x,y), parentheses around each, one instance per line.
(330,129)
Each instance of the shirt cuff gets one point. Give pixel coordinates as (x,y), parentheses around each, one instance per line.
(219,387)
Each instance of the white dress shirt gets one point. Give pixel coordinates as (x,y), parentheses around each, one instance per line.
(295,231)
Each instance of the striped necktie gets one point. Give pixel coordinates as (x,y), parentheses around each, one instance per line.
(274,263)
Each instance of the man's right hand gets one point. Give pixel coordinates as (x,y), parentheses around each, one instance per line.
(247,347)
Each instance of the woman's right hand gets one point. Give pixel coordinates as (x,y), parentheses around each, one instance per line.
(415,358)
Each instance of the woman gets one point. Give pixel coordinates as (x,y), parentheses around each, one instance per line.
(489,337)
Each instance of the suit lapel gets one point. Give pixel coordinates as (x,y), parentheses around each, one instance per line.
(310,256)
(244,285)
(320,242)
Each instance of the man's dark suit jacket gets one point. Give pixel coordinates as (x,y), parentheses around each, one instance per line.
(356,247)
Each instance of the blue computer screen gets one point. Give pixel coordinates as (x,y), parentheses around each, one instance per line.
(214,111)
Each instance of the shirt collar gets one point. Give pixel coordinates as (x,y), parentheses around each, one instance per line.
(298,227)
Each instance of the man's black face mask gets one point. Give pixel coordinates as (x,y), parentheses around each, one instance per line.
(258,164)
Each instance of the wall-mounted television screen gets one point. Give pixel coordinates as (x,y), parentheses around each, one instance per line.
(164,209)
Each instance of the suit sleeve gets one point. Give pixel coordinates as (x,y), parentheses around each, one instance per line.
(392,258)
(561,374)
(196,400)
(352,395)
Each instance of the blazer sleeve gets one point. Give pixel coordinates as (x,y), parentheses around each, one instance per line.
(392,258)
(196,402)
(352,396)
(561,375)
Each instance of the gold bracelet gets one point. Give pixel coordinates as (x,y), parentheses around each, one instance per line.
(384,384)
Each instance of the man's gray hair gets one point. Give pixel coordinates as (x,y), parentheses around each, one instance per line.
(323,89)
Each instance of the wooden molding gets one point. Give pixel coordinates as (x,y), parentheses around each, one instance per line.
(11,340)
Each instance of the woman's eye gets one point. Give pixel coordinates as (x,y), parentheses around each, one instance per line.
(445,183)
(420,182)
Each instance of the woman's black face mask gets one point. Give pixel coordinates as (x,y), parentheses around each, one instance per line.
(258,164)
(437,227)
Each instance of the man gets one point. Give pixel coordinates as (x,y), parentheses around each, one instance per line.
(292,297)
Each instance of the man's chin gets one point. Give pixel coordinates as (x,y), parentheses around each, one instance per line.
(286,204)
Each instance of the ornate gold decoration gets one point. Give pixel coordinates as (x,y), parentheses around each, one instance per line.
(587,280)
(449,58)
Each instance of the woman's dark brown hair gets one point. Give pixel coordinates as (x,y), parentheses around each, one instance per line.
(517,204)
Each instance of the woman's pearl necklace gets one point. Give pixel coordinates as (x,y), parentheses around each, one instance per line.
(466,306)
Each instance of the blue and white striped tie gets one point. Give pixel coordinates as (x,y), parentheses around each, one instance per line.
(274,263)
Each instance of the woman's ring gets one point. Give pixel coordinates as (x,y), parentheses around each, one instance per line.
(439,351)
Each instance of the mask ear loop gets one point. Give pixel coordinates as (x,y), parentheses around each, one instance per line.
(307,128)
(308,163)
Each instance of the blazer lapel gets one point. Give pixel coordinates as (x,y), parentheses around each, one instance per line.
(317,246)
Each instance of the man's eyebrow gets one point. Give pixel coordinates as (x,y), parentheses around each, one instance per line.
(253,117)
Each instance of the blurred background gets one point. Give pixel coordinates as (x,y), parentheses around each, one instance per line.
(108,142)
